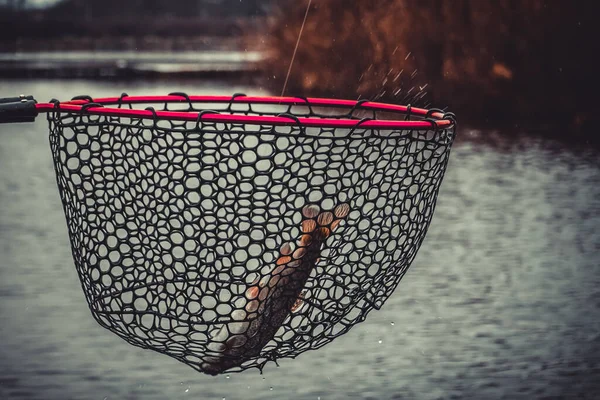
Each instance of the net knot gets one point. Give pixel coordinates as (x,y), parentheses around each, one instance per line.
(185,97)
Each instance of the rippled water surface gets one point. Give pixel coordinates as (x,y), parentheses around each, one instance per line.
(503,300)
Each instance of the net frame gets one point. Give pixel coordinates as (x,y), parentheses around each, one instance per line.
(303,121)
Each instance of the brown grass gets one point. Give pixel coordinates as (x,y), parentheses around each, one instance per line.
(504,60)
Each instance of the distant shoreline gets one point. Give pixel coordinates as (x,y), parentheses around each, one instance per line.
(130,64)
(148,42)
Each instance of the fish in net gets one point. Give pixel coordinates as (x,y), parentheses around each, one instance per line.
(227,232)
(271,299)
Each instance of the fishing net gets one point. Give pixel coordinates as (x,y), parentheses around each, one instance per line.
(227,233)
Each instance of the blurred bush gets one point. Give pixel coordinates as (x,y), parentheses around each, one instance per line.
(511,61)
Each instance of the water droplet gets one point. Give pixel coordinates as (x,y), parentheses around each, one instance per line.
(391,323)
(264,378)
(381,341)
(227,377)
(187,390)
(271,388)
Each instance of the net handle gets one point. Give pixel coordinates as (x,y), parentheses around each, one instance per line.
(25,109)
(18,109)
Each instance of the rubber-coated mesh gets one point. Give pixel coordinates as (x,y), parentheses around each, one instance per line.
(226,246)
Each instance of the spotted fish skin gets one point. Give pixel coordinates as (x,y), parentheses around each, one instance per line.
(272,298)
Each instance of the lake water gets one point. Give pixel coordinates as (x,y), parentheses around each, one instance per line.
(502,301)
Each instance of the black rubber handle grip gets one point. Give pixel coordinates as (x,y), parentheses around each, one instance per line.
(15,99)
(22,110)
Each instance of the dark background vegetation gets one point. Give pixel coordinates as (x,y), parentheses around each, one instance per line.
(508,62)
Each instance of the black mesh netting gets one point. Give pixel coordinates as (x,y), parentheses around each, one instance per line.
(228,245)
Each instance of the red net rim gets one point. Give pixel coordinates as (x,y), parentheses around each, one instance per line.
(431,118)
